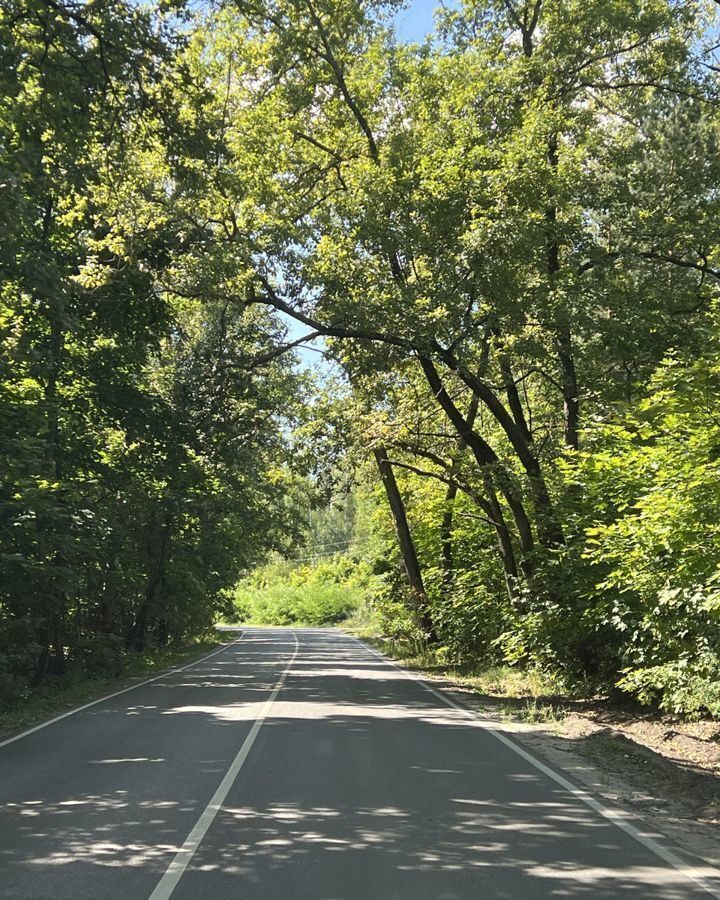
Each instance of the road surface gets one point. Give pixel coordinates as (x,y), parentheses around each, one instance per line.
(299,765)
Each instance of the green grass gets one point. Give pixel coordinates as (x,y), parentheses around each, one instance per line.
(534,712)
(62,694)
(362,622)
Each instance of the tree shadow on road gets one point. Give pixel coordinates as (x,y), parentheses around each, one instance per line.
(360,786)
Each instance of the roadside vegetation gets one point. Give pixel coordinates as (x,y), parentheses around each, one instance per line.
(75,687)
(281,593)
(502,245)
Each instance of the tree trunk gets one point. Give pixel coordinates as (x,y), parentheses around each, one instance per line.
(513,397)
(505,544)
(136,636)
(53,657)
(56,661)
(407,545)
(486,458)
(571,401)
(549,529)
(563,337)
(492,509)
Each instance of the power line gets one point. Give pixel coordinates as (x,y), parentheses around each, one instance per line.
(315,556)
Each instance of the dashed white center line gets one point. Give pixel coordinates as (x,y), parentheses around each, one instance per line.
(177,867)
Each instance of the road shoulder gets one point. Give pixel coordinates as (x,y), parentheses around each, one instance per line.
(626,759)
(41,709)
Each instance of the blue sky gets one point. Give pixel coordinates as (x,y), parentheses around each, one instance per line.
(414,23)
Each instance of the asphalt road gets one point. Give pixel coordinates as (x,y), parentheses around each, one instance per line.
(299,765)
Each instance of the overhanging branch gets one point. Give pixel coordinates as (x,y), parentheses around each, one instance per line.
(265,358)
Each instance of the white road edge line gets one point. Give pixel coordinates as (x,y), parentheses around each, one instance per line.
(133,687)
(177,867)
(614,815)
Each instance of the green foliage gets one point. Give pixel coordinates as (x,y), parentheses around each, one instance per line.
(510,241)
(686,686)
(324,593)
(659,552)
(631,602)
(144,462)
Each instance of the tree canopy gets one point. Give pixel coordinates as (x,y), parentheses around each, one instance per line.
(504,240)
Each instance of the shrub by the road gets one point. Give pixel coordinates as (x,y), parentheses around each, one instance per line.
(321,594)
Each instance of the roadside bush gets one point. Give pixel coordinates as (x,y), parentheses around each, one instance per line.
(690,687)
(322,594)
(657,559)
(18,657)
(100,655)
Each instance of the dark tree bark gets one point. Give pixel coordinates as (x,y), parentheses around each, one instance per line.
(513,397)
(550,532)
(487,460)
(493,514)
(57,619)
(571,401)
(411,563)
(447,522)
(563,335)
(527,23)
(53,656)
(136,636)
(505,544)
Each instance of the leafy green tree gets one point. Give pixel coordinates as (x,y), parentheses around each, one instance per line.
(144,455)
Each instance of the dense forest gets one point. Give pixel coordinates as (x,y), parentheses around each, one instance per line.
(503,244)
